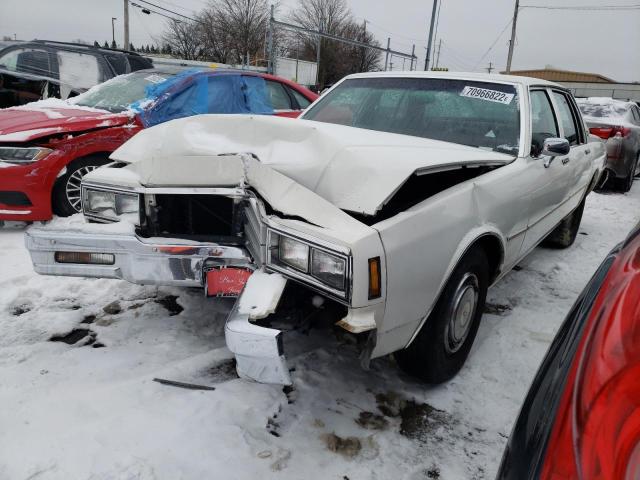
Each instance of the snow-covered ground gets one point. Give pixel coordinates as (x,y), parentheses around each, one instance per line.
(91,410)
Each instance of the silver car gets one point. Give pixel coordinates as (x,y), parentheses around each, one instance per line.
(618,124)
(392,205)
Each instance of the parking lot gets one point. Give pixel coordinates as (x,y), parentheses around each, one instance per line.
(91,409)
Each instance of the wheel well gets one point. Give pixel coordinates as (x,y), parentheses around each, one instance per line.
(99,155)
(492,248)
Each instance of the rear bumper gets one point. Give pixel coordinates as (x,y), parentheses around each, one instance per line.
(174,264)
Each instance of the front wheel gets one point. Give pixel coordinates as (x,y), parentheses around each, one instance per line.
(66,197)
(441,347)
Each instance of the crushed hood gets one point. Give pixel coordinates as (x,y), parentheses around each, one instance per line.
(27,123)
(354,169)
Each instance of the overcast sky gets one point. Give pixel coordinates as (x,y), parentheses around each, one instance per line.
(605,42)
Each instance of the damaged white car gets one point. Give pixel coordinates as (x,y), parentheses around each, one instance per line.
(397,199)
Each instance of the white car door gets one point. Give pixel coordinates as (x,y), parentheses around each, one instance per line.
(578,164)
(548,177)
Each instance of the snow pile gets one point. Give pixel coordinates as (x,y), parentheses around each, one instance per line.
(75,411)
(52,103)
(77,223)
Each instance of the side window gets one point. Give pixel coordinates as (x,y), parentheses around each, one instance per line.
(118,63)
(301,99)
(567,118)
(78,70)
(636,114)
(9,61)
(279,98)
(544,123)
(27,61)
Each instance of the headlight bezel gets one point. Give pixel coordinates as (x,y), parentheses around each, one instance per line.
(39,153)
(117,193)
(307,277)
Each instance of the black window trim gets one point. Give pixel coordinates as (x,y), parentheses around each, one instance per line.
(577,118)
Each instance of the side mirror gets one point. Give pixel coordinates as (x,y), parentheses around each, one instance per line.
(554,147)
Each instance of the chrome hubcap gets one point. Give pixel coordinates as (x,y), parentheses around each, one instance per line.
(73,186)
(462,313)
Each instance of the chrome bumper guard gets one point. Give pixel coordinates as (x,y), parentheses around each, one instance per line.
(259,351)
(174,264)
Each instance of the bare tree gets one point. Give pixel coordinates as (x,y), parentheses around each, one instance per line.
(184,39)
(337,59)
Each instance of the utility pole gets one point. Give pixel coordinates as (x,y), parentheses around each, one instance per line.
(386,58)
(513,36)
(490,67)
(438,55)
(318,47)
(433,19)
(126,25)
(113,30)
(413,54)
(270,57)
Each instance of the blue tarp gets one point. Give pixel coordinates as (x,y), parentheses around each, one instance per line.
(195,92)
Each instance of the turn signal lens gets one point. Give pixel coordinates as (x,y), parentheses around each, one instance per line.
(85,258)
(375,281)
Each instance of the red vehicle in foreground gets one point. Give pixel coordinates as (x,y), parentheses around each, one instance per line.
(47,147)
(581,417)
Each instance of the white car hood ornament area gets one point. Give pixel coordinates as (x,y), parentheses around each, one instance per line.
(354,169)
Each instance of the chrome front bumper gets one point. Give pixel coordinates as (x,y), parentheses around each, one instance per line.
(136,261)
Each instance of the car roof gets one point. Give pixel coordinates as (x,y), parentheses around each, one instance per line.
(606,101)
(478,77)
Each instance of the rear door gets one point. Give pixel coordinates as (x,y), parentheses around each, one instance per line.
(578,165)
(549,180)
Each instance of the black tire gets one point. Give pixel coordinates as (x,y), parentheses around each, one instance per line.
(63,200)
(435,355)
(624,184)
(566,232)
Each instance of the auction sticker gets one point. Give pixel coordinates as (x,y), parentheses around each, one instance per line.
(486,94)
(154,78)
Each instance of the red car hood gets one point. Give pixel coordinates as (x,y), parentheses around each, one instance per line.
(24,124)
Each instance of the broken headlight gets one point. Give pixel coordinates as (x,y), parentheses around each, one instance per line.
(21,155)
(110,205)
(309,263)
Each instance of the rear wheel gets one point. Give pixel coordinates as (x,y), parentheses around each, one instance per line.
(66,199)
(441,347)
(566,232)
(624,184)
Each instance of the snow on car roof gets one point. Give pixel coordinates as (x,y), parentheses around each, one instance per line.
(482,77)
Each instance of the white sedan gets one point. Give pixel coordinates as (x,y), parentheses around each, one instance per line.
(392,204)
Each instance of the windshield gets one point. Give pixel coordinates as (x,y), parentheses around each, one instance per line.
(118,93)
(478,114)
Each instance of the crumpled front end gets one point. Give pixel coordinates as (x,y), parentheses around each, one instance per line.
(244,239)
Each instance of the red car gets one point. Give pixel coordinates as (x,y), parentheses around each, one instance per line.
(47,147)
(581,417)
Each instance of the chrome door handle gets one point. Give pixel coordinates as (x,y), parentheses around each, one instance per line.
(565,160)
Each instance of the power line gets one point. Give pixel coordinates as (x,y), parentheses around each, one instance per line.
(494,43)
(146,9)
(175,5)
(167,10)
(583,7)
